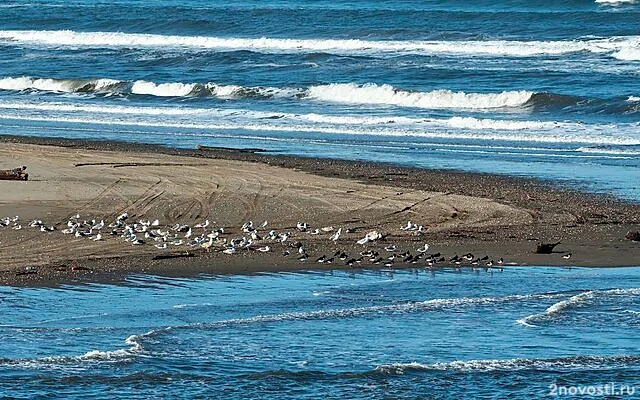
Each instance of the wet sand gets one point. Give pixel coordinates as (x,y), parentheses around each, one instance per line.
(462,212)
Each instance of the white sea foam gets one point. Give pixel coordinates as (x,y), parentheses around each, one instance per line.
(192,305)
(56,85)
(117,355)
(616,151)
(99,109)
(351,93)
(321,119)
(388,95)
(628,54)
(339,46)
(515,364)
(616,1)
(497,124)
(579,300)
(633,99)
(162,89)
(224,90)
(618,136)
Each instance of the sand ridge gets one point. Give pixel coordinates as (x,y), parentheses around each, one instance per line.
(101,184)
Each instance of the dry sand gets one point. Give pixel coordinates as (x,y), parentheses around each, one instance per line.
(482,214)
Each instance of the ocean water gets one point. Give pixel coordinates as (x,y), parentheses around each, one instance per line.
(358,335)
(529,88)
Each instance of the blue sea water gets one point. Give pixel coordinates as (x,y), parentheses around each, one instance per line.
(530,88)
(405,334)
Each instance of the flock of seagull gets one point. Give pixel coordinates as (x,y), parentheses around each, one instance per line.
(252,237)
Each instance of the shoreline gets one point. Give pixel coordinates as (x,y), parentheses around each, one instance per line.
(493,215)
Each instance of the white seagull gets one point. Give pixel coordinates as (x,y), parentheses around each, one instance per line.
(202,224)
(336,235)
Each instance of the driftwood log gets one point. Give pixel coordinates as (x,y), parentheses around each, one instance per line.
(16,174)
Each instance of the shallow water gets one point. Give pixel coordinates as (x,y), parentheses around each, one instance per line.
(372,334)
(530,88)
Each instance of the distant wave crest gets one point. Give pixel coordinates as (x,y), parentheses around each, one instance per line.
(619,46)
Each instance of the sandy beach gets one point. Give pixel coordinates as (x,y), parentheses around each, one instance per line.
(461,213)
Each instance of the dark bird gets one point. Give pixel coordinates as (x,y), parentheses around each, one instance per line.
(546,248)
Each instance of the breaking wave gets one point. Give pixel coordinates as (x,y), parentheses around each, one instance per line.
(141,87)
(573,302)
(371,94)
(621,47)
(60,85)
(119,355)
(388,95)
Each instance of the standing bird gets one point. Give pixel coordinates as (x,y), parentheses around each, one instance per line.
(546,248)
(336,235)
(207,245)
